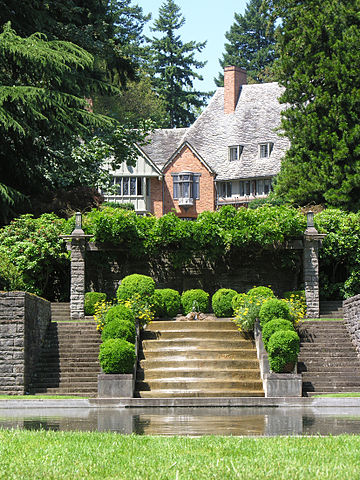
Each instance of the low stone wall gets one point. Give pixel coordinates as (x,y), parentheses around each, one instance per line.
(239,271)
(352,319)
(24,319)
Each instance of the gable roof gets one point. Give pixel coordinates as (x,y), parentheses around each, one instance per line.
(190,147)
(256,117)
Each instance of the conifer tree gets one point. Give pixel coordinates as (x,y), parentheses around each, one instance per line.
(173,67)
(251,44)
(319,68)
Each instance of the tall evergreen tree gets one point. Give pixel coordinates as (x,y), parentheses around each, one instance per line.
(173,66)
(251,44)
(319,68)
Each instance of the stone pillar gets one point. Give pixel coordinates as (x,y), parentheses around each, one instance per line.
(311,278)
(312,243)
(77,245)
(77,285)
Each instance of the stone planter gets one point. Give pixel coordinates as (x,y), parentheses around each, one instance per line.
(276,384)
(283,385)
(119,385)
(116,385)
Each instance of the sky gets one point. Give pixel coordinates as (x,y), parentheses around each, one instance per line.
(205,20)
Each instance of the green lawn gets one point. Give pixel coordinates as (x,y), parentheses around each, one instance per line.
(73,455)
(335,395)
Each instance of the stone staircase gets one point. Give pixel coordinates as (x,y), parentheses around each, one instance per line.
(328,360)
(69,362)
(331,309)
(209,358)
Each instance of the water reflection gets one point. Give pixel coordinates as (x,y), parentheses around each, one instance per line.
(189,421)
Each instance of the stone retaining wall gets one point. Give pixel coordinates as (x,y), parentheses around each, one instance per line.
(352,319)
(240,272)
(24,319)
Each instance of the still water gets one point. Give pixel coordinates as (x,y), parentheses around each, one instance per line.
(189,421)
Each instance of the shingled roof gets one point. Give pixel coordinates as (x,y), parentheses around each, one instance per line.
(255,121)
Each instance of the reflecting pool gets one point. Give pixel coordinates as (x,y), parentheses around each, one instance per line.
(246,421)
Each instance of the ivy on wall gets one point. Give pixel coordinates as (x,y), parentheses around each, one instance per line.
(40,263)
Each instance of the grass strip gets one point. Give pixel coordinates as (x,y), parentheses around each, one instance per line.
(78,455)
(334,395)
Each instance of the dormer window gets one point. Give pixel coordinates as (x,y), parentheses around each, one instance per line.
(235,152)
(265,149)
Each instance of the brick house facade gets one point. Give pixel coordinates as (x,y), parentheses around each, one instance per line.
(228,156)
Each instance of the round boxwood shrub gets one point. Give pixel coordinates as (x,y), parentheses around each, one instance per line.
(166,302)
(283,350)
(273,326)
(117,356)
(119,312)
(264,292)
(119,328)
(195,298)
(238,301)
(136,284)
(222,302)
(91,298)
(274,308)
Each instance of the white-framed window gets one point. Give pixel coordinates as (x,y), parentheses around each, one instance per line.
(254,187)
(265,149)
(225,189)
(186,185)
(128,186)
(235,152)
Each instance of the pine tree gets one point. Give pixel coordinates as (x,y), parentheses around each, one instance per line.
(251,44)
(43,113)
(319,68)
(173,67)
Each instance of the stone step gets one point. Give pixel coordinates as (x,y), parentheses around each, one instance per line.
(222,364)
(330,377)
(178,393)
(66,382)
(74,391)
(192,334)
(189,343)
(203,325)
(335,342)
(175,373)
(324,369)
(197,354)
(197,384)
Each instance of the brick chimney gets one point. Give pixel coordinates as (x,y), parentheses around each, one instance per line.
(234,78)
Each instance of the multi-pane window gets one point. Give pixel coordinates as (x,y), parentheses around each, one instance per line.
(244,188)
(235,152)
(128,186)
(225,189)
(265,149)
(186,185)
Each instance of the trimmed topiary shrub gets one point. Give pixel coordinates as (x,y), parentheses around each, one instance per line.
(166,302)
(222,302)
(238,301)
(119,328)
(117,356)
(91,298)
(119,312)
(274,308)
(136,284)
(264,292)
(283,350)
(273,326)
(196,298)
